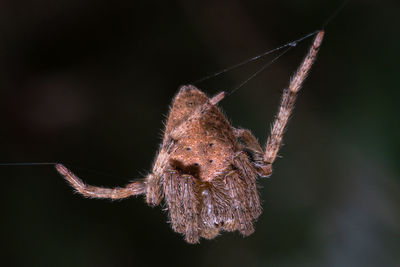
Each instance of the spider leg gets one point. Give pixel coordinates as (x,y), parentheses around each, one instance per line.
(181,196)
(245,202)
(132,189)
(287,101)
(254,150)
(154,190)
(248,138)
(218,97)
(154,181)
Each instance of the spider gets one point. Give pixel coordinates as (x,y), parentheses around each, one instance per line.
(205,169)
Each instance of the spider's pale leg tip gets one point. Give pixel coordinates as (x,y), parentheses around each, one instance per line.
(61,169)
(217,98)
(318,38)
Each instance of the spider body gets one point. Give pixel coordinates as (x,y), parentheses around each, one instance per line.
(209,183)
(205,169)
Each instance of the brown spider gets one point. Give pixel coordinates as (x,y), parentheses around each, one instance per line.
(205,169)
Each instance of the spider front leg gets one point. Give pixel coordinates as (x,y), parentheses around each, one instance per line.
(287,101)
(154,191)
(253,149)
(132,189)
(182,199)
(154,181)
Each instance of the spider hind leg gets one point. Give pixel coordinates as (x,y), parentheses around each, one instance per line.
(181,197)
(132,189)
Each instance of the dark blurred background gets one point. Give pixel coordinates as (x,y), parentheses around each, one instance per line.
(88,83)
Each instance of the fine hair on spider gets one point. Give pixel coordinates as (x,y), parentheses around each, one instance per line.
(205,169)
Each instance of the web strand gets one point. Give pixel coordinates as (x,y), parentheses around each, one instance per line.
(235,66)
(260,70)
(27,163)
(334,13)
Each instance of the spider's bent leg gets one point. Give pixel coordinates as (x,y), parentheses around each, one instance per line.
(132,189)
(154,181)
(248,138)
(254,151)
(182,199)
(287,101)
(154,191)
(245,202)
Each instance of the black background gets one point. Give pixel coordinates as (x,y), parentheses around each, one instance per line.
(88,83)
